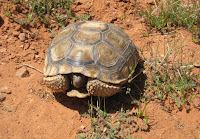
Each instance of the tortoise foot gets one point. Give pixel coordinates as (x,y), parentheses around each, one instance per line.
(99,88)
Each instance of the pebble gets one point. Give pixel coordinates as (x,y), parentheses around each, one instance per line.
(6,37)
(32,56)
(37,56)
(5,90)
(197,64)
(2,97)
(32,47)
(22,36)
(26,46)
(82,127)
(2,50)
(196,101)
(17,27)
(22,72)
(16,33)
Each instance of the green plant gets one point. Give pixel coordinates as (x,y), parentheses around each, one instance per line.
(169,79)
(16,1)
(23,21)
(61,19)
(8,14)
(8,11)
(7,109)
(83,17)
(172,13)
(104,125)
(124,15)
(48,11)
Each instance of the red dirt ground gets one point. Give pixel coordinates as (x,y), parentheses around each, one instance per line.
(36,115)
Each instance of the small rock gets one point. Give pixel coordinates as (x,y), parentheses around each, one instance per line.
(32,35)
(26,46)
(18,27)
(29,56)
(5,90)
(22,36)
(22,72)
(37,56)
(32,48)
(197,64)
(16,33)
(2,97)
(6,37)
(2,50)
(10,39)
(196,101)
(32,56)
(82,127)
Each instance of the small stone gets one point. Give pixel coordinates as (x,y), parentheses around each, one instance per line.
(16,33)
(2,97)
(5,90)
(26,46)
(18,27)
(6,37)
(197,64)
(32,56)
(37,56)
(22,36)
(22,72)
(2,50)
(29,56)
(32,48)
(196,101)
(82,127)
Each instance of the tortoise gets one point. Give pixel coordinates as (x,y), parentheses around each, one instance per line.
(94,55)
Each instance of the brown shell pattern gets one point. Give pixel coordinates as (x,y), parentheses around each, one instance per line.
(94,49)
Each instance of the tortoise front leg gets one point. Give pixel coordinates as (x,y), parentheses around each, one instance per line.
(99,88)
(58,83)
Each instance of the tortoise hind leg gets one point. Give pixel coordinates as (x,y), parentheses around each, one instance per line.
(99,88)
(58,83)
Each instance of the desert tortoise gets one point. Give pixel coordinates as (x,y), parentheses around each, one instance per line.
(96,55)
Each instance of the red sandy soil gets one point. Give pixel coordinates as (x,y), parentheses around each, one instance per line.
(35,114)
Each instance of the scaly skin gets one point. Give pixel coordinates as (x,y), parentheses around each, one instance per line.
(99,88)
(58,83)
(61,83)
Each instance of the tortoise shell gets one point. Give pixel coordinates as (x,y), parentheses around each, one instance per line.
(94,49)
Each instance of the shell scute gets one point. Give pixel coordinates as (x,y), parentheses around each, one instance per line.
(64,34)
(60,50)
(95,26)
(81,54)
(86,37)
(94,49)
(65,68)
(106,55)
(116,41)
(91,71)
